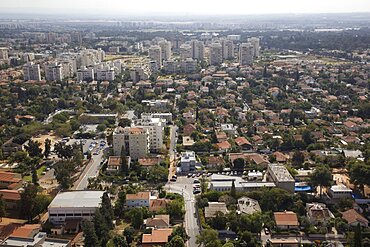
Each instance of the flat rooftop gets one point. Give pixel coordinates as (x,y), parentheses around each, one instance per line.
(281,173)
(73,199)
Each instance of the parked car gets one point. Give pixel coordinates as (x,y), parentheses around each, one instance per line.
(196,181)
(173,179)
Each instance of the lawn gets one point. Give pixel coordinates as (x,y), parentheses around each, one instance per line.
(39,171)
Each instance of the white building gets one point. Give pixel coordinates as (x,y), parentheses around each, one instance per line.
(105,74)
(89,57)
(281,177)
(53,72)
(246,53)
(256,46)
(234,37)
(140,199)
(74,204)
(340,191)
(197,50)
(135,141)
(165,49)
(155,128)
(215,54)
(138,73)
(189,66)
(167,116)
(31,71)
(155,54)
(185,51)
(4,53)
(227,49)
(188,161)
(85,73)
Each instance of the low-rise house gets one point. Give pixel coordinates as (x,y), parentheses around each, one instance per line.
(221,136)
(229,129)
(158,204)
(158,237)
(224,146)
(286,220)
(243,143)
(215,162)
(114,164)
(353,218)
(11,199)
(26,231)
(140,199)
(248,205)
(149,162)
(318,212)
(158,222)
(280,157)
(340,191)
(189,129)
(213,207)
(257,159)
(10,147)
(10,180)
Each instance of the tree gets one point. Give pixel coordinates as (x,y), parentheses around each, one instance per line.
(35,179)
(321,177)
(136,218)
(233,190)
(129,234)
(208,238)
(297,159)
(2,208)
(175,209)
(28,201)
(359,173)
(176,241)
(33,149)
(119,241)
(101,228)
(358,236)
(47,148)
(91,240)
(63,172)
(181,232)
(228,244)
(119,206)
(239,163)
(107,210)
(124,122)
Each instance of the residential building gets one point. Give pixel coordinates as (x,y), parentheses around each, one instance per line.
(227,49)
(215,54)
(281,177)
(10,180)
(170,66)
(134,140)
(85,74)
(158,204)
(11,199)
(165,49)
(35,238)
(248,205)
(140,199)
(105,74)
(158,237)
(31,72)
(167,116)
(138,73)
(4,53)
(189,66)
(286,220)
(234,37)
(229,129)
(353,218)
(188,161)
(53,72)
(246,52)
(74,205)
(114,164)
(213,208)
(197,50)
(340,191)
(155,128)
(224,183)
(158,222)
(318,213)
(155,54)
(256,46)
(185,51)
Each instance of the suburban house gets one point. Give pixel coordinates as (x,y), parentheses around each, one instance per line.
(158,222)
(248,205)
(318,212)
(140,199)
(114,164)
(215,162)
(10,180)
(157,204)
(11,198)
(286,220)
(243,143)
(213,207)
(158,237)
(353,218)
(340,191)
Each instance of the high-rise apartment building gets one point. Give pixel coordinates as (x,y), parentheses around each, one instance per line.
(197,50)
(185,51)
(4,53)
(256,46)
(246,52)
(227,49)
(155,54)
(165,49)
(85,74)
(134,141)
(31,71)
(215,54)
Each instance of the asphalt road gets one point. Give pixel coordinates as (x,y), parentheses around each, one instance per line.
(184,186)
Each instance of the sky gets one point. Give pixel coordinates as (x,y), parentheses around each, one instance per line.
(198,7)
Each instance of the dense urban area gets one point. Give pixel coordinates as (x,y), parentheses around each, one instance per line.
(234,132)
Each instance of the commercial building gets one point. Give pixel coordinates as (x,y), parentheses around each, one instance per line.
(133,140)
(53,72)
(215,54)
(155,54)
(246,53)
(85,74)
(281,177)
(74,205)
(31,71)
(197,50)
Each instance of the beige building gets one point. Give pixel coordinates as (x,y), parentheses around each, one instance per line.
(135,141)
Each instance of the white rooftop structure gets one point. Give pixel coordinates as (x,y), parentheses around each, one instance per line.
(83,198)
(248,205)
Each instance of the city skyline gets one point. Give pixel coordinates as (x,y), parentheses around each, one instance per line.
(192,7)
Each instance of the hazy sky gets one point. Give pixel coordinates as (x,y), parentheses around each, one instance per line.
(183,6)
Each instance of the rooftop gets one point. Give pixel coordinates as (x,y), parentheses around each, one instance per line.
(138,196)
(286,218)
(157,236)
(281,173)
(83,198)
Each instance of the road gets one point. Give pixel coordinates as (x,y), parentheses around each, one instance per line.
(92,168)
(184,186)
(172,152)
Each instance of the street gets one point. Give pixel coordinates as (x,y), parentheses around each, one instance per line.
(184,186)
